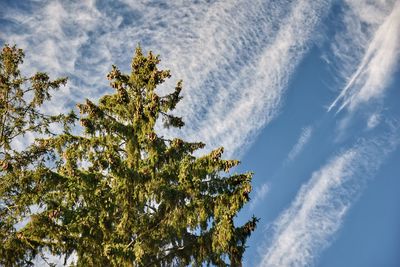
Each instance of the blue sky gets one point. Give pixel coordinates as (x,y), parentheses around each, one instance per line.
(305,93)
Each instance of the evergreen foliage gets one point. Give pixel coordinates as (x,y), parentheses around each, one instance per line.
(119,194)
(20,171)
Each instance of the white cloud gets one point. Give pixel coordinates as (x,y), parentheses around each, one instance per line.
(301,142)
(260,194)
(235,58)
(253,97)
(373,120)
(374,29)
(308,225)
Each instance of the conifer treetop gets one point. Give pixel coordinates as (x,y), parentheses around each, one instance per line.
(121,195)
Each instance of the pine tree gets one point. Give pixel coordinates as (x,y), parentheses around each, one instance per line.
(20,101)
(122,195)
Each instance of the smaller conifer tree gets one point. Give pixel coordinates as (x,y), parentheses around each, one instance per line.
(21,99)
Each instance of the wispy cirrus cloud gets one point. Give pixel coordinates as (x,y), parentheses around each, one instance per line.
(373,120)
(235,58)
(304,138)
(255,95)
(368,50)
(260,193)
(308,225)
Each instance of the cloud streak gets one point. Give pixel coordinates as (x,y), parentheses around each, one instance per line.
(260,194)
(308,225)
(380,44)
(301,142)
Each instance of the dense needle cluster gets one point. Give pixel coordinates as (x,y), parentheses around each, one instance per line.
(118,194)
